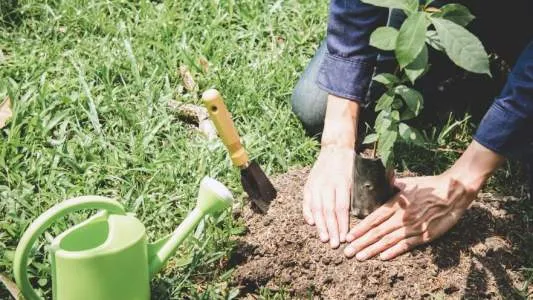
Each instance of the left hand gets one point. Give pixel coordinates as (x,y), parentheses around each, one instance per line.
(424,209)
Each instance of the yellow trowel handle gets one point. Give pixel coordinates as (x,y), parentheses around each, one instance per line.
(220,115)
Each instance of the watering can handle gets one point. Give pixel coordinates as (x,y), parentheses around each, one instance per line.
(42,223)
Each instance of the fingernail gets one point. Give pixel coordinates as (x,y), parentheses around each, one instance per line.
(383,256)
(349,251)
(361,256)
(323,237)
(334,243)
(349,237)
(343,238)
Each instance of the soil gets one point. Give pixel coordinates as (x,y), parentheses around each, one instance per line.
(481,257)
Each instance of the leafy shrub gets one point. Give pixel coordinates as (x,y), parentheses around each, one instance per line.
(440,28)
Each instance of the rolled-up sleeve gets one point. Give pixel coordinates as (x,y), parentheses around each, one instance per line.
(503,128)
(348,66)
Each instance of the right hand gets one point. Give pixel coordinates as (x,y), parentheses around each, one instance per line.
(327,194)
(327,190)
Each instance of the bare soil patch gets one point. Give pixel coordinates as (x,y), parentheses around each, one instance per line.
(481,257)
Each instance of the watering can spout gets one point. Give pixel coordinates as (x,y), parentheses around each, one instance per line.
(213,197)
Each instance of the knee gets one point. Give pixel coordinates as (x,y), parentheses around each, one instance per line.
(308,101)
(298,104)
(312,119)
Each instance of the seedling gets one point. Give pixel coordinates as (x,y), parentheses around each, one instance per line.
(443,30)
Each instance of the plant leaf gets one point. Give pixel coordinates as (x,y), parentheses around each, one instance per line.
(387,79)
(385,101)
(411,38)
(386,142)
(386,157)
(463,48)
(418,66)
(42,282)
(383,121)
(5,112)
(233,294)
(431,9)
(395,115)
(432,38)
(410,134)
(384,38)
(456,13)
(371,138)
(406,114)
(397,103)
(183,261)
(413,99)
(406,5)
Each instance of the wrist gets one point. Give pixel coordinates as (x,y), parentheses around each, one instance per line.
(475,166)
(340,124)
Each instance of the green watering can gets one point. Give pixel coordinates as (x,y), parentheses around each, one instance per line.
(108,257)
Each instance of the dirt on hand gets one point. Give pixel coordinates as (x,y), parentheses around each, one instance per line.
(481,257)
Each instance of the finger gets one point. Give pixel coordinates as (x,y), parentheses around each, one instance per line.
(410,182)
(318,217)
(374,235)
(328,201)
(342,203)
(387,242)
(380,215)
(402,183)
(308,215)
(403,246)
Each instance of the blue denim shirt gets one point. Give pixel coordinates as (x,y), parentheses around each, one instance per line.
(349,64)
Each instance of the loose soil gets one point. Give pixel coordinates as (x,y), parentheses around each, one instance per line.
(481,257)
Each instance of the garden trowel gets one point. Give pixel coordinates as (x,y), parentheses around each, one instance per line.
(253,179)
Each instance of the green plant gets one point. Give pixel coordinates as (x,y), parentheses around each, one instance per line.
(440,28)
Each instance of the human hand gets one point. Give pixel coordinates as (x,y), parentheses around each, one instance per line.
(327,190)
(327,194)
(424,209)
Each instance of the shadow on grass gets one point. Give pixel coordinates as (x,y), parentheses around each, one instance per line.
(160,289)
(10,15)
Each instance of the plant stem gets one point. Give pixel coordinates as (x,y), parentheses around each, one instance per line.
(374,149)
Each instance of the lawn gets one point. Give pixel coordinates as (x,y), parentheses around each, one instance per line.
(91,83)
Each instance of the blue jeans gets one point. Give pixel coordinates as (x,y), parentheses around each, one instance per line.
(309,100)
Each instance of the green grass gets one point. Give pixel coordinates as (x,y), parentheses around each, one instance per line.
(91,81)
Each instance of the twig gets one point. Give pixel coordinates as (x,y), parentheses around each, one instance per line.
(10,286)
(447,150)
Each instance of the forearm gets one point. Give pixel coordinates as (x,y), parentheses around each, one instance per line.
(475,166)
(340,124)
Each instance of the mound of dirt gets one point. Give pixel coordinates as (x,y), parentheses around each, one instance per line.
(481,257)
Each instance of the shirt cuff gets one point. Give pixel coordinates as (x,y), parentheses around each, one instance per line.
(498,131)
(346,78)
